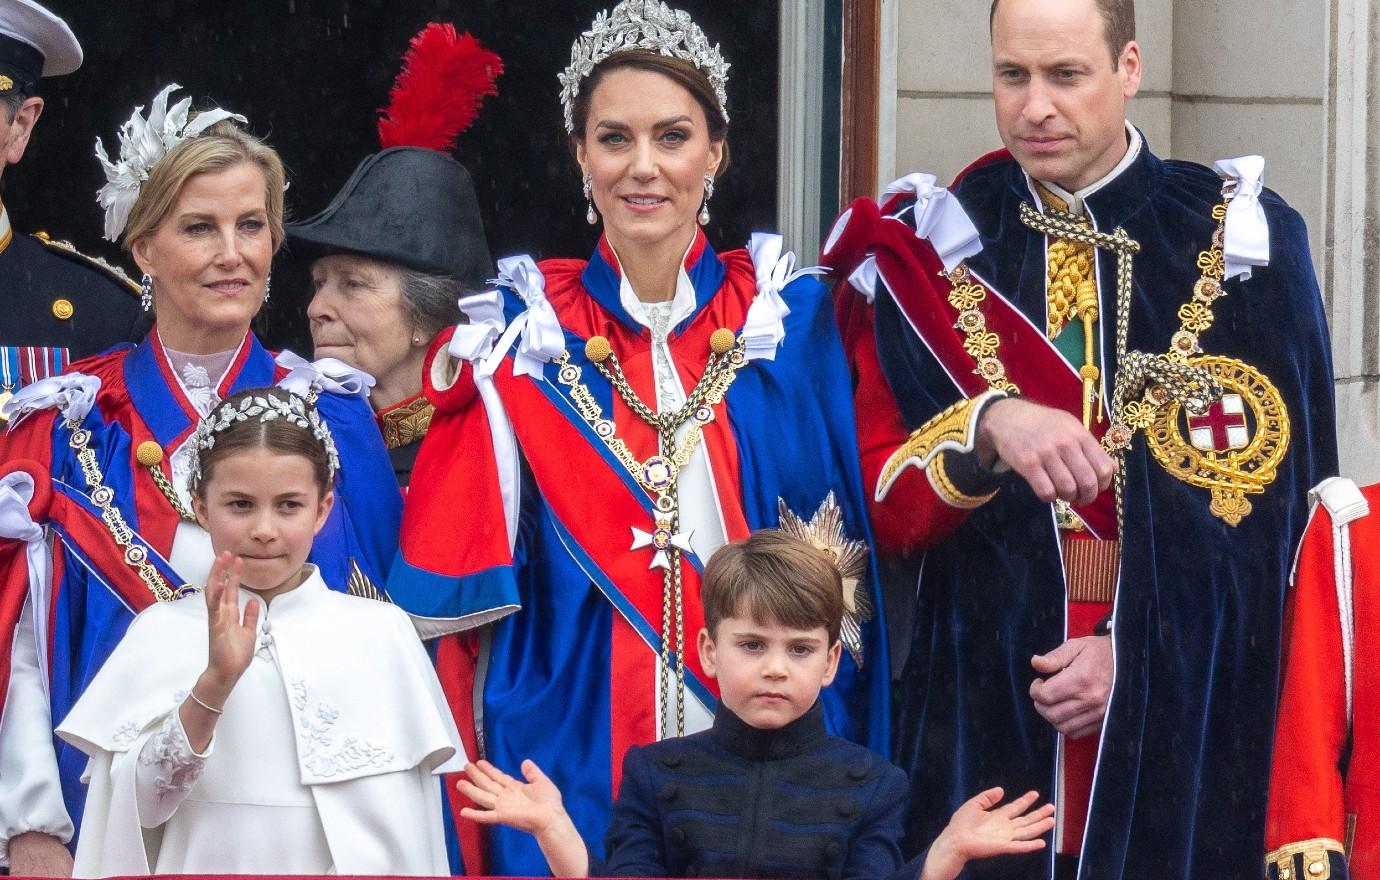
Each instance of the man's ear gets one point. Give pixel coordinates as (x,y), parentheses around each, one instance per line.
(16,139)
(1129,65)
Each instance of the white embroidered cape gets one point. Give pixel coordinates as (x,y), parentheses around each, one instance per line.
(330,741)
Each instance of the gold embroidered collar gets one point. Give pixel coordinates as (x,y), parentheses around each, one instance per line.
(406,422)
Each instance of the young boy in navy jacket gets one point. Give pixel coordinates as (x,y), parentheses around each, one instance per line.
(766,792)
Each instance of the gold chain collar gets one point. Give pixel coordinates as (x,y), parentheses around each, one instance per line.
(659,476)
(134,554)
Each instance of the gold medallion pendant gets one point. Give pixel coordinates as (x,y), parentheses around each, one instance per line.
(1235,447)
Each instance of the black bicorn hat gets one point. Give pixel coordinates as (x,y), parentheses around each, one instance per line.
(33,43)
(412,203)
(407,205)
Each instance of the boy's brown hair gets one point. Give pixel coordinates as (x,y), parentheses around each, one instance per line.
(773,577)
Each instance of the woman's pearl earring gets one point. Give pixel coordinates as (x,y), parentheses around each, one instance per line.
(590,216)
(708,194)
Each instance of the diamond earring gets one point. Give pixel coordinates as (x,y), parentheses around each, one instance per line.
(708,194)
(268,286)
(146,292)
(590,216)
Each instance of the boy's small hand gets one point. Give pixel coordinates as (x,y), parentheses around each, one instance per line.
(980,829)
(533,806)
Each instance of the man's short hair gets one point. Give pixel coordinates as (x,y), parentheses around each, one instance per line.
(772,577)
(1118,20)
(12,101)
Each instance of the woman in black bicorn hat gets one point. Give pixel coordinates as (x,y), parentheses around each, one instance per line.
(403,239)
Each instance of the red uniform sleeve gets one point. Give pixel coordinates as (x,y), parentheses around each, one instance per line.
(1311,731)
(913,515)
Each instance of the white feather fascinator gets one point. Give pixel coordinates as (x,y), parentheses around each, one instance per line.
(142,143)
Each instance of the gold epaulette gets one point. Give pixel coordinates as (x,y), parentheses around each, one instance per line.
(1315,864)
(66,248)
(953,430)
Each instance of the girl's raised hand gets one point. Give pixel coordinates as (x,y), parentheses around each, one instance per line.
(232,640)
(980,828)
(533,806)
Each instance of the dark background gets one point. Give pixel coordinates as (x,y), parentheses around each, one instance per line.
(310,76)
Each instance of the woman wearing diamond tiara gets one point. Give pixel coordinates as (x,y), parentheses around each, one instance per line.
(99,456)
(625,416)
(187,728)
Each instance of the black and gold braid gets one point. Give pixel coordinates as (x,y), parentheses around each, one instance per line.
(720,367)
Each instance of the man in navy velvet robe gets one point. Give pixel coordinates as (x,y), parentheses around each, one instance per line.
(1092,398)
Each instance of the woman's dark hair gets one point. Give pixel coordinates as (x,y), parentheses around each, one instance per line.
(678,70)
(276,435)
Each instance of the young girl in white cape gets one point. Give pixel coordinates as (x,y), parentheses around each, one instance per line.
(269,725)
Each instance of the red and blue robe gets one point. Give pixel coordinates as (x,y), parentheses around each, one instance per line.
(93,593)
(567,677)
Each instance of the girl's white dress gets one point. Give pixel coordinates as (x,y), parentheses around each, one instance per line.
(325,761)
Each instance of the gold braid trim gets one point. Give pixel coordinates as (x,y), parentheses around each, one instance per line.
(938,475)
(952,430)
(1072,287)
(1316,865)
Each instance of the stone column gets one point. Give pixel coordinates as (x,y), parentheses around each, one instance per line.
(1351,228)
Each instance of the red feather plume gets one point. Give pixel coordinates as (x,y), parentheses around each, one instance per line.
(437,95)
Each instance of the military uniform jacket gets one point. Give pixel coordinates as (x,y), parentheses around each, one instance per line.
(1324,818)
(59,306)
(736,801)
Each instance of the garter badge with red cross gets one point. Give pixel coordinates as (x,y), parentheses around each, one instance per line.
(1234,447)
(1222,427)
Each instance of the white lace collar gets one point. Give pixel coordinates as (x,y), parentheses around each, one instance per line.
(682,304)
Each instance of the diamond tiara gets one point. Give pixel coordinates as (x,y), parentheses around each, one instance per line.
(271,405)
(142,142)
(642,24)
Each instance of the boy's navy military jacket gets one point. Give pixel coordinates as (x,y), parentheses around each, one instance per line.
(736,801)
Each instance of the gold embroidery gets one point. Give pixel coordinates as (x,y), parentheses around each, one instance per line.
(938,475)
(966,296)
(1316,865)
(1236,470)
(407,423)
(952,429)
